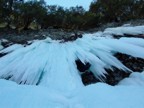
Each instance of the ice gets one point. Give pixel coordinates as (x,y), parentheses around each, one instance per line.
(136,41)
(52,80)
(52,64)
(126,25)
(11,48)
(96,95)
(125,30)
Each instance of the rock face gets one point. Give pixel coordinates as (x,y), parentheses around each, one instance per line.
(24,36)
(115,75)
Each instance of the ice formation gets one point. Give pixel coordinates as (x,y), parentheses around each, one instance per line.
(136,30)
(52,64)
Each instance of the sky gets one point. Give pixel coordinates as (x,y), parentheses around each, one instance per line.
(69,3)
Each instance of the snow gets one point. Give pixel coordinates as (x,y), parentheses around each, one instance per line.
(134,79)
(124,30)
(136,41)
(11,48)
(51,66)
(104,96)
(96,95)
(17,96)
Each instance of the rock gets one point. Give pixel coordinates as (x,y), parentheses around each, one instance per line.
(89,78)
(115,75)
(135,64)
(82,67)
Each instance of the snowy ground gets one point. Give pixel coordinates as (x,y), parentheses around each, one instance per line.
(51,65)
(128,94)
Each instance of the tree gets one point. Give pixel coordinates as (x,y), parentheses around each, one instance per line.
(31,11)
(115,10)
(91,20)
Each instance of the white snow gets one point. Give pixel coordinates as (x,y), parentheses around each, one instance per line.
(98,95)
(124,30)
(17,96)
(104,96)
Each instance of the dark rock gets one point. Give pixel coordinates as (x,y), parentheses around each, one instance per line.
(86,75)
(2,54)
(82,67)
(129,36)
(135,64)
(6,44)
(89,78)
(115,75)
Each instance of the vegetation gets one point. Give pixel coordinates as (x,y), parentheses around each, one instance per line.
(19,15)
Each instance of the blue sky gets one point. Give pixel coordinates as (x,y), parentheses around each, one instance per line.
(69,3)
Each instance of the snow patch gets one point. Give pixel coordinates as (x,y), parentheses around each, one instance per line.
(124,30)
(104,96)
(96,95)
(17,96)
(134,79)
